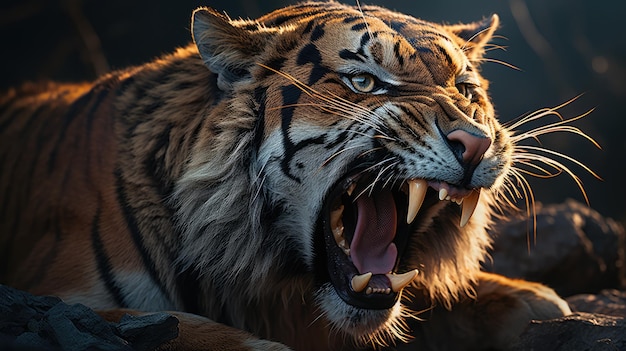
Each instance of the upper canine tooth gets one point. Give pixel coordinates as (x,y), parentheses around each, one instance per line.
(359,282)
(350,189)
(469,205)
(417,192)
(400,281)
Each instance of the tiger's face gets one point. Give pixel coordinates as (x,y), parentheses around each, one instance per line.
(376,149)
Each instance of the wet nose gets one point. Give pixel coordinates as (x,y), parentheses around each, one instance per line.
(469,149)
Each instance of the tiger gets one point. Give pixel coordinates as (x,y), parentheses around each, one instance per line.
(323,177)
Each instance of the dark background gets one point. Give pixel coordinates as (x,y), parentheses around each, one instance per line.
(562,48)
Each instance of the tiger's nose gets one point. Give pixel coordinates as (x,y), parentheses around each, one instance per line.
(469,149)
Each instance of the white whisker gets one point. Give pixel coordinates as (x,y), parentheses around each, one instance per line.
(331,157)
(476,35)
(369,32)
(503,63)
(529,200)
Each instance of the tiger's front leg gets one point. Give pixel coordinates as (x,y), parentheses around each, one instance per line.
(493,319)
(197,333)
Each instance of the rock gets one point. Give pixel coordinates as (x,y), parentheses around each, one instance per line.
(579,331)
(576,250)
(608,302)
(30,322)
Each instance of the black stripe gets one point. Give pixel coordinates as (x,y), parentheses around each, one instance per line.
(9,116)
(417,118)
(318,32)
(276,64)
(365,38)
(154,163)
(396,51)
(27,130)
(22,157)
(343,137)
(282,19)
(351,19)
(291,94)
(444,53)
(136,234)
(103,262)
(424,50)
(349,55)
(359,27)
(397,26)
(308,28)
(299,11)
(310,54)
(150,108)
(76,110)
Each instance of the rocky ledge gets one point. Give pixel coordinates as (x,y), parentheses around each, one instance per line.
(580,254)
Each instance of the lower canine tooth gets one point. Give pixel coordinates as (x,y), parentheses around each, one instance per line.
(400,281)
(417,192)
(338,234)
(469,205)
(359,282)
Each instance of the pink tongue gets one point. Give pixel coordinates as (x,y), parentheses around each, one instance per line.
(372,249)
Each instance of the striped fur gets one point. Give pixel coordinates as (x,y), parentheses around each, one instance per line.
(197,182)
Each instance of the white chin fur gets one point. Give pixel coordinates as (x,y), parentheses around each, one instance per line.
(365,326)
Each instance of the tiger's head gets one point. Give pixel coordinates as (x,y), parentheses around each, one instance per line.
(363,158)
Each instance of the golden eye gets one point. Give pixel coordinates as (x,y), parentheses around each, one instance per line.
(363,83)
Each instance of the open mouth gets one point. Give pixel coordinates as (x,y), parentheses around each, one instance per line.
(367,228)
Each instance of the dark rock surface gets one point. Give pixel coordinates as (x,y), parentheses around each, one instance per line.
(580,254)
(30,322)
(574,249)
(597,324)
(576,332)
(610,302)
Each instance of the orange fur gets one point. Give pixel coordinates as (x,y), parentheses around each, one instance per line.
(201,182)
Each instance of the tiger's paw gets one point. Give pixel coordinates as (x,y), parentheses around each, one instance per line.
(493,320)
(504,307)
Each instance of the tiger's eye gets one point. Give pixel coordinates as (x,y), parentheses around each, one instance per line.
(363,83)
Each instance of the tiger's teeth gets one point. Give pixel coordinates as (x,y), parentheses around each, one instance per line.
(469,205)
(400,281)
(443,193)
(359,282)
(336,224)
(350,189)
(417,192)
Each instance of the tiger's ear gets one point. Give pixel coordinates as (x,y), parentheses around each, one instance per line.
(474,36)
(226,47)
